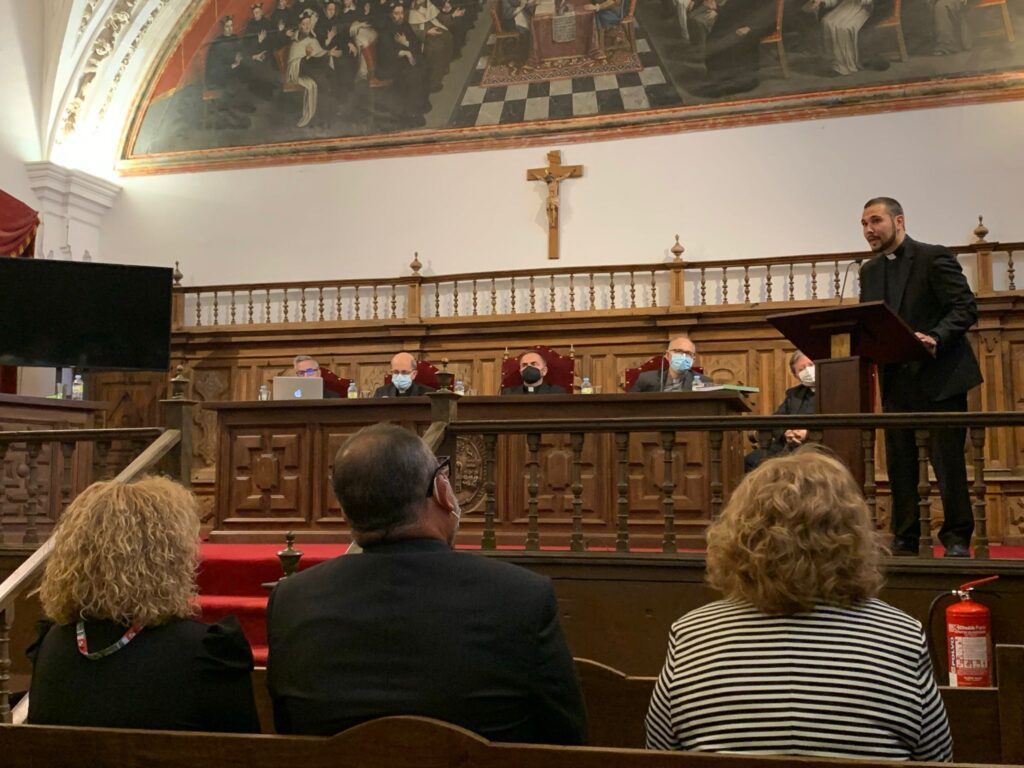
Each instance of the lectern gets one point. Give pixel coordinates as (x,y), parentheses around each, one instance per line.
(845,343)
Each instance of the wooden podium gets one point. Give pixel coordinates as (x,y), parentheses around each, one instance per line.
(846,343)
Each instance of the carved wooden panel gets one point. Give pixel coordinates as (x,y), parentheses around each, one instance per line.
(208,385)
(267,482)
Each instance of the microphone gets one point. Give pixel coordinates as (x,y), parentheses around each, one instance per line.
(661,373)
(846,275)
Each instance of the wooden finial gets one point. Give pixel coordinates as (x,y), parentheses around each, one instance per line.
(445,378)
(677,249)
(980,231)
(289,556)
(416,266)
(179,384)
(177,275)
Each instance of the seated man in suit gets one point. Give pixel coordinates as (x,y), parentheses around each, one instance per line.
(675,375)
(403,375)
(412,627)
(307,366)
(532,369)
(798,400)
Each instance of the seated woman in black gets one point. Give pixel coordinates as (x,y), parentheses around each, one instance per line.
(120,585)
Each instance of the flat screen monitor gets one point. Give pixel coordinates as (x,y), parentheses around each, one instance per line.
(84,315)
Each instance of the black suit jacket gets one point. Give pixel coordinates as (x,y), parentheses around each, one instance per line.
(390,390)
(414,628)
(541,389)
(798,400)
(655,381)
(931,294)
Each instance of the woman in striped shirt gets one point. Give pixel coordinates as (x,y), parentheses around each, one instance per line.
(801,657)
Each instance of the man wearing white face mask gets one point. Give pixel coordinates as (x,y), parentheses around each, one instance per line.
(412,627)
(403,375)
(799,400)
(676,371)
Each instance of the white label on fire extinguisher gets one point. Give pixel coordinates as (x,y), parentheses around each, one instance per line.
(970,657)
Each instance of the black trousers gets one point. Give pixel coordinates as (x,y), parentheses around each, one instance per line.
(946,449)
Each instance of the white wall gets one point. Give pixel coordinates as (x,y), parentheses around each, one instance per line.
(21,62)
(743,192)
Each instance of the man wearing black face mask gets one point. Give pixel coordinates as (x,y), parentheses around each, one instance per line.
(533,368)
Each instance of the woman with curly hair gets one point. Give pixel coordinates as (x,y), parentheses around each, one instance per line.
(801,657)
(120,649)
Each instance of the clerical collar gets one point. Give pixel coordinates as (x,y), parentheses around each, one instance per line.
(898,251)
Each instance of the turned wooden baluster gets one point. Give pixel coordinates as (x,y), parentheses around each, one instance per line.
(835,278)
(302,305)
(474,297)
(249,308)
(654,289)
(32,488)
(1012,284)
(284,307)
(551,294)
(792,282)
(320,304)
(572,293)
(101,460)
(216,321)
(488,541)
(67,453)
(199,309)
(746,284)
(533,297)
(6,620)
(437,299)
(3,487)
(576,544)
(668,486)
(357,313)
(814,280)
(867,440)
(980,504)
(266,308)
(232,307)
(622,449)
(725,285)
(394,303)
(611,290)
(494,297)
(337,303)
(768,283)
(703,287)
(924,491)
(376,302)
(592,293)
(715,444)
(512,296)
(533,466)
(632,290)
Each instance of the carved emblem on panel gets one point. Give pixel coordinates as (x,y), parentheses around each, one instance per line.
(1014,515)
(469,472)
(265,476)
(208,385)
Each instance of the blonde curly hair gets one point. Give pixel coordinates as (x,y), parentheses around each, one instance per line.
(795,534)
(126,552)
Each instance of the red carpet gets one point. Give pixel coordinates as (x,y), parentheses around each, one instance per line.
(231,578)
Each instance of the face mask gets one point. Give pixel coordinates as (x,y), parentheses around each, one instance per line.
(681,363)
(806,376)
(402,381)
(531,375)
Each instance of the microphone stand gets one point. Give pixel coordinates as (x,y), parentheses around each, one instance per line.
(661,374)
(846,275)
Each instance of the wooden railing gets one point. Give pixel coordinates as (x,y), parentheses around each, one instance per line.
(671,285)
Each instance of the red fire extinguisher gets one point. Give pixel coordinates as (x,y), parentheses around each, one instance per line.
(969,639)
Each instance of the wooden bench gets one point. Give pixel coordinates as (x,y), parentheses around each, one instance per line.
(987,723)
(393,742)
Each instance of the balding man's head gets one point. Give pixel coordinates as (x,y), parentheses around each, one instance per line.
(381,475)
(403,362)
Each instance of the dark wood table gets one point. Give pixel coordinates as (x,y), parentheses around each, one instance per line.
(273,462)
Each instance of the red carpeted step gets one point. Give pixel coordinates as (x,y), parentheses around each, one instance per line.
(242,569)
(251,613)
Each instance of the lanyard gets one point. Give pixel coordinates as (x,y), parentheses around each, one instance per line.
(83,644)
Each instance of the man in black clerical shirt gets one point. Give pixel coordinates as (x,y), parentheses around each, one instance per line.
(226,73)
(532,369)
(260,39)
(400,59)
(926,287)
(403,379)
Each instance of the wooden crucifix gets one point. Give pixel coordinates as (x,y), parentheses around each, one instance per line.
(554,174)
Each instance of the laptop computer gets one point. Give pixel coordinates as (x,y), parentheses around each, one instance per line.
(298,388)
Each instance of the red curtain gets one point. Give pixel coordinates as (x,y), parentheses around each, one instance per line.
(18,226)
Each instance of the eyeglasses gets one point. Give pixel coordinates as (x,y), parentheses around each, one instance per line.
(689,352)
(444,464)
(308,371)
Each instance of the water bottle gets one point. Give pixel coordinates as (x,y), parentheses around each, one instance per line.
(353,391)
(586,388)
(698,382)
(264,392)
(78,388)
(460,387)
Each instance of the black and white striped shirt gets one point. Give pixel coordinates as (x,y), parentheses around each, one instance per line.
(837,682)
